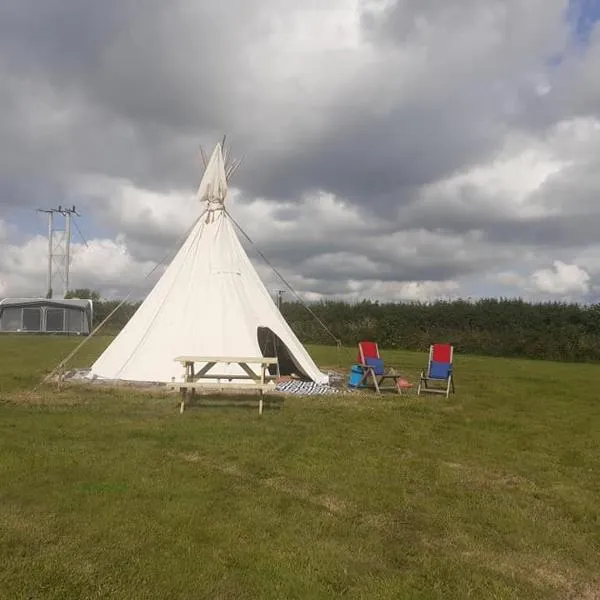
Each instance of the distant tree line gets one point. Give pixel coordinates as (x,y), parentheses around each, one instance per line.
(493,327)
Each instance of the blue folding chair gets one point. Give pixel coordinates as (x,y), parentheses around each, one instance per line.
(440,369)
(372,367)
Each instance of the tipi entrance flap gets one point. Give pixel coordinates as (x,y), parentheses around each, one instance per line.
(272,345)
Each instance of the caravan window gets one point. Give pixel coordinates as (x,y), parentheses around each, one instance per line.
(55,319)
(73,320)
(32,319)
(11,319)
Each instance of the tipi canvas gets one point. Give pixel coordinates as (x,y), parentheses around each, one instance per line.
(210,301)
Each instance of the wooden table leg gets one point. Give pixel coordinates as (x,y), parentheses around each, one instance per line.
(192,376)
(182,405)
(263,368)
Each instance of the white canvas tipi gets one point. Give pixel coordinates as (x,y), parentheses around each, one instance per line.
(209,302)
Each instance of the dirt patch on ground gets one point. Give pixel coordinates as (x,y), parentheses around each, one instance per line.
(566,580)
(43,398)
(588,592)
(331,503)
(487,478)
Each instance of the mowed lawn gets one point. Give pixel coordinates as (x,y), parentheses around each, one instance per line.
(494,493)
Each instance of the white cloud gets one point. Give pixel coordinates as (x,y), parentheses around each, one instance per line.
(106,265)
(109,266)
(510,279)
(512,183)
(414,290)
(390,291)
(509,183)
(563,280)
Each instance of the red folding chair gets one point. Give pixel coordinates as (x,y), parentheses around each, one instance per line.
(440,369)
(372,365)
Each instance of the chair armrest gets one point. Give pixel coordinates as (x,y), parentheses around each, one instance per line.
(365,366)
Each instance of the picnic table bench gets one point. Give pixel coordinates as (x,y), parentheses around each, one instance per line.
(196,380)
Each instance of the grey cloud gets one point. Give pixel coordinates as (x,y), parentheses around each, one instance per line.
(110,89)
(136,90)
(385,258)
(146,86)
(378,162)
(430,269)
(551,232)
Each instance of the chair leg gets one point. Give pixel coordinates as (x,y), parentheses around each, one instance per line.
(450,386)
(368,372)
(375,380)
(398,386)
(363,379)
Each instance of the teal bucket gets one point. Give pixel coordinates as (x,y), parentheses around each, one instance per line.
(356,374)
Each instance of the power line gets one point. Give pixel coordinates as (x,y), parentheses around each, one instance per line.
(282,278)
(80,234)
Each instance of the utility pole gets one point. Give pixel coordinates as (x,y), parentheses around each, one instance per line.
(280,294)
(59,246)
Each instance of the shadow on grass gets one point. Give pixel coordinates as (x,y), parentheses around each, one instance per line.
(248,403)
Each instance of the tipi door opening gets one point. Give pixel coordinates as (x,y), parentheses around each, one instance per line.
(271,344)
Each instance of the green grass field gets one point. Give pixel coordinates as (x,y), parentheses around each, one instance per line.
(494,493)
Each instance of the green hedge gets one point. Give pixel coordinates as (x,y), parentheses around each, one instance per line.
(553,331)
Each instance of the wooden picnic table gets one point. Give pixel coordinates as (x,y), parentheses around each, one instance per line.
(194,380)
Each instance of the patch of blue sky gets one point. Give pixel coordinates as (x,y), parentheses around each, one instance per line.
(583,16)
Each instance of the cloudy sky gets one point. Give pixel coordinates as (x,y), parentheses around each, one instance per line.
(392,149)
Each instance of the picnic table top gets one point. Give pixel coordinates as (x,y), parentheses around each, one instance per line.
(265,360)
